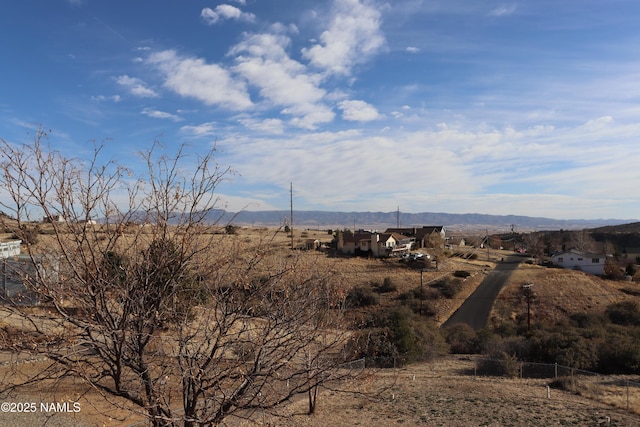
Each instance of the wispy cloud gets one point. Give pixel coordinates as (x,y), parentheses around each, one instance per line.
(136,86)
(223,12)
(353,35)
(103,98)
(156,114)
(201,130)
(504,10)
(270,126)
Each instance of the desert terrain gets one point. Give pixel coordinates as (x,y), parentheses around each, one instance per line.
(443,392)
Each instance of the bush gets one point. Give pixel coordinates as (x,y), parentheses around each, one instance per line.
(500,364)
(386,286)
(419,300)
(620,353)
(28,235)
(398,336)
(462,339)
(450,287)
(624,313)
(461,273)
(361,296)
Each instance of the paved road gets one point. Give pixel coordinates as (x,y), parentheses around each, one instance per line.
(476,309)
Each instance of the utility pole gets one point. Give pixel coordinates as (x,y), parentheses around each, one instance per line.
(528,293)
(291,205)
(398,217)
(421,292)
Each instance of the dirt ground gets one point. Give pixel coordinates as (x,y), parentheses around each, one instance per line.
(441,393)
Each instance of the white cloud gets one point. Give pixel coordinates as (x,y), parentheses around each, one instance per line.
(201,130)
(353,36)
(503,10)
(413,49)
(271,126)
(358,111)
(103,98)
(136,86)
(160,115)
(262,60)
(194,78)
(225,11)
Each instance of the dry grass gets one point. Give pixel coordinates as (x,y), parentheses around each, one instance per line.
(441,393)
(560,293)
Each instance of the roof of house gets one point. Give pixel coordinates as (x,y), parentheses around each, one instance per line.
(578,253)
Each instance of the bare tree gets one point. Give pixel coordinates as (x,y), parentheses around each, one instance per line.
(583,241)
(535,244)
(152,302)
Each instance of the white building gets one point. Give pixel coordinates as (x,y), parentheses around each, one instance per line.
(582,261)
(10,249)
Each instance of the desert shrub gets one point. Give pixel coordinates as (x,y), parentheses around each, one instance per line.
(624,313)
(619,353)
(414,338)
(450,287)
(362,296)
(28,235)
(421,293)
(375,345)
(398,336)
(462,339)
(566,348)
(630,270)
(461,274)
(499,364)
(586,320)
(516,346)
(420,300)
(386,286)
(231,229)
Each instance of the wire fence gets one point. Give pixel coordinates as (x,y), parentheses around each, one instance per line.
(622,391)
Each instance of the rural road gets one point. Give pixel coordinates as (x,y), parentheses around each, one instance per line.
(476,309)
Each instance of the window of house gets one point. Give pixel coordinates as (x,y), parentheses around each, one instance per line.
(595,260)
(561,259)
(580,259)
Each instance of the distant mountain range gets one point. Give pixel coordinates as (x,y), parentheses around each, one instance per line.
(382,220)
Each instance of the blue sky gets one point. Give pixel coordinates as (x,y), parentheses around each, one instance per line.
(526,107)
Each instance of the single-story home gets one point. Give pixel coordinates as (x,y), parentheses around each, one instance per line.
(374,243)
(422,235)
(588,262)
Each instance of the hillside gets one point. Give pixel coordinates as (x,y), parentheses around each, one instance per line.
(381,220)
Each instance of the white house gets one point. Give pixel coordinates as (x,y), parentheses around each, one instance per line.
(576,260)
(10,249)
